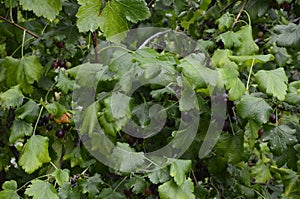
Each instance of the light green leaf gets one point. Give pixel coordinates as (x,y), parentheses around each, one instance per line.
(34,153)
(89,18)
(252,59)
(114,22)
(29,111)
(9,190)
(273,82)
(46,8)
(260,172)
(56,108)
(235,86)
(290,180)
(225,22)
(159,176)
(170,190)
(61,176)
(19,129)
(196,73)
(126,159)
(178,170)
(248,46)
(64,83)
(41,189)
(119,105)
(12,97)
(293,96)
(230,39)
(134,10)
(251,107)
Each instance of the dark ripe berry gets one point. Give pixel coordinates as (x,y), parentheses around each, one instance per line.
(154,189)
(148,192)
(233,118)
(286,6)
(60,133)
(127,192)
(131,140)
(226,126)
(76,142)
(41,122)
(2,130)
(261,27)
(272,118)
(260,132)
(54,64)
(60,44)
(46,118)
(61,63)
(49,127)
(66,127)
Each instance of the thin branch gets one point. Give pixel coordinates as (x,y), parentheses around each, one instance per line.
(95,43)
(20,27)
(239,14)
(229,5)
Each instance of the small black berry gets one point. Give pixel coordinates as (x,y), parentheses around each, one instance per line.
(60,133)
(49,127)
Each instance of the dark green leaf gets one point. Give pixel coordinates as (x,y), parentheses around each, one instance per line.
(19,129)
(12,97)
(251,107)
(170,190)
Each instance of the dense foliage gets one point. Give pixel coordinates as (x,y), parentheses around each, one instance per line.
(253,47)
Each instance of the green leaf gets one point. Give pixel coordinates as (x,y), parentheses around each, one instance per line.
(24,72)
(56,108)
(252,59)
(228,145)
(251,107)
(19,129)
(118,105)
(159,176)
(89,18)
(178,170)
(248,46)
(41,189)
(109,193)
(136,184)
(67,192)
(170,190)
(288,35)
(230,39)
(273,82)
(29,111)
(61,176)
(225,22)
(260,172)
(280,137)
(289,178)
(114,22)
(9,190)
(64,83)
(293,96)
(196,73)
(46,8)
(91,184)
(12,97)
(134,10)
(34,153)
(126,159)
